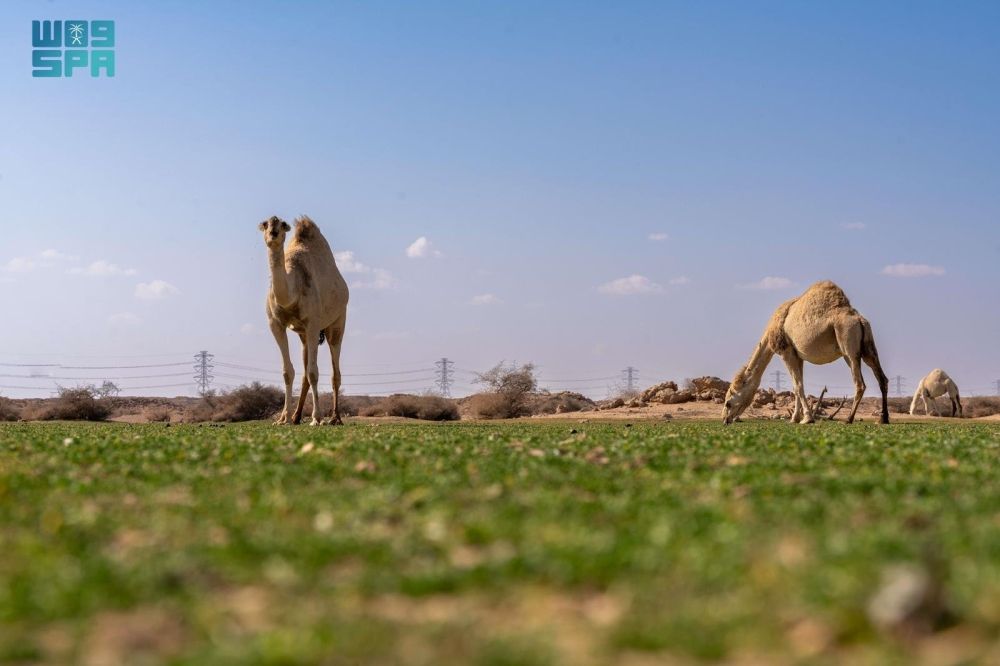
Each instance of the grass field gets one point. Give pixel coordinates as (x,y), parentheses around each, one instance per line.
(498,543)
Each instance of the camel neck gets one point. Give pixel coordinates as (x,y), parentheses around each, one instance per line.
(279,277)
(757,364)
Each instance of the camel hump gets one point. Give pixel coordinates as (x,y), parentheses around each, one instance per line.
(305,229)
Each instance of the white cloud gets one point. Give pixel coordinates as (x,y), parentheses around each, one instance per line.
(20,265)
(102,268)
(912,270)
(379,278)
(155,290)
(55,255)
(485,299)
(679,280)
(626,286)
(855,226)
(123,319)
(44,259)
(421,248)
(248,329)
(658,236)
(348,264)
(769,283)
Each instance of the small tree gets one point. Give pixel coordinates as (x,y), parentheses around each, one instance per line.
(108,389)
(511,384)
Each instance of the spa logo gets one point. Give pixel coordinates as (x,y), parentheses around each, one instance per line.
(60,48)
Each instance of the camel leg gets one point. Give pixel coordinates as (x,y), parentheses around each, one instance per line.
(958,404)
(794,364)
(859,385)
(870,356)
(933,408)
(288,370)
(796,411)
(312,370)
(304,391)
(335,338)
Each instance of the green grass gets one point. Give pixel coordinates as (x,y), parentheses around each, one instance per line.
(505,543)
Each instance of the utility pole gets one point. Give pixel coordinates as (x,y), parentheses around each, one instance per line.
(444,379)
(899,379)
(777,381)
(631,375)
(203,371)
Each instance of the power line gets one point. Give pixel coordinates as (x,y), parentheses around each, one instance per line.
(444,376)
(94,379)
(589,379)
(203,371)
(271,371)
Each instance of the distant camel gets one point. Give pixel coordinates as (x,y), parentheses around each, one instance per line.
(935,384)
(308,295)
(819,326)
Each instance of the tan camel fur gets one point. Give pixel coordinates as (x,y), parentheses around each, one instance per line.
(819,326)
(308,295)
(934,385)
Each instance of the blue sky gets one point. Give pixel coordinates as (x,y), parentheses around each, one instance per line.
(599,186)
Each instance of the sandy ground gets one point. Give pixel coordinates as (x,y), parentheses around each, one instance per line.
(710,411)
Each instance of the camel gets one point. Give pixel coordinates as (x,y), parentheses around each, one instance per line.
(819,326)
(934,385)
(308,295)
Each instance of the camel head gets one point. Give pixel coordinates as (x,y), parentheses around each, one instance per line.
(274,229)
(739,395)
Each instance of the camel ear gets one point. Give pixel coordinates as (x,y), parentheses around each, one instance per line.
(262,226)
(284,225)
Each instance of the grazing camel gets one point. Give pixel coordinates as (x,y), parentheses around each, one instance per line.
(934,385)
(819,326)
(308,295)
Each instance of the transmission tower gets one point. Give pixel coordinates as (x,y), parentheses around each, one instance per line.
(997,384)
(444,373)
(899,379)
(631,375)
(777,380)
(203,371)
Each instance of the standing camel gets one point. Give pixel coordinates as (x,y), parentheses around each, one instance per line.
(308,295)
(934,385)
(819,326)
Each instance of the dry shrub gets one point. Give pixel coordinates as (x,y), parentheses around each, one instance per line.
(896,405)
(510,386)
(560,403)
(490,406)
(424,407)
(157,414)
(349,405)
(8,410)
(250,402)
(981,406)
(203,410)
(71,404)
